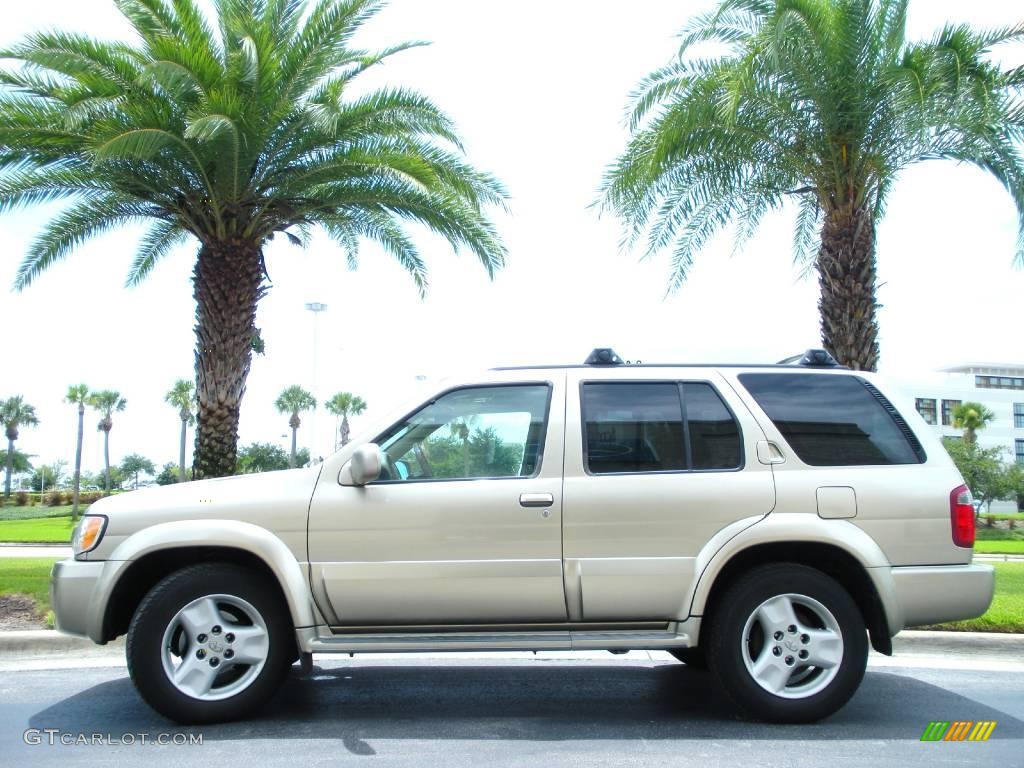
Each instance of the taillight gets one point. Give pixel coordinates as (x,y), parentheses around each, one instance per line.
(961,513)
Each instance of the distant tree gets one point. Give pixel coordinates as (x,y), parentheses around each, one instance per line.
(482,454)
(78,396)
(345,404)
(1015,482)
(21,463)
(267,457)
(42,478)
(107,402)
(971,417)
(183,397)
(982,469)
(294,400)
(168,474)
(58,472)
(133,465)
(14,414)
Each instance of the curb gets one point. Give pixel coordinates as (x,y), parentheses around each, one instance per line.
(38,642)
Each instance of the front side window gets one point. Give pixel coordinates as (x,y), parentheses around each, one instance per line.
(657,427)
(1018,415)
(469,434)
(832,421)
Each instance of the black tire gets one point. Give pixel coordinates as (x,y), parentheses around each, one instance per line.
(726,644)
(691,657)
(144,648)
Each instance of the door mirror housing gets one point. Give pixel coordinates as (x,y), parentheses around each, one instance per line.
(364,466)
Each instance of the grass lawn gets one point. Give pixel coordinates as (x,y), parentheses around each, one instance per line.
(1007,611)
(28,513)
(997,547)
(44,529)
(27,576)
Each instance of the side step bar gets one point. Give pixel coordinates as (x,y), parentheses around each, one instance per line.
(679,636)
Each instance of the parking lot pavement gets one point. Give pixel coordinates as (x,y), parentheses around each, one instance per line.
(644,709)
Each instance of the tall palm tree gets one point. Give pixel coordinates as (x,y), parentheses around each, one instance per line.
(970,417)
(14,414)
(223,132)
(294,400)
(107,402)
(78,395)
(183,397)
(822,102)
(345,404)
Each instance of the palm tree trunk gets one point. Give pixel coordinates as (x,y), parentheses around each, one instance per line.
(181,451)
(344,431)
(106,459)
(846,275)
(227,286)
(10,467)
(78,464)
(294,458)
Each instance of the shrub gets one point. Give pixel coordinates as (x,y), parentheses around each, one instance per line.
(990,521)
(54,499)
(21,499)
(89,497)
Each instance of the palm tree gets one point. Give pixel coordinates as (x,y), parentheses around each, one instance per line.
(345,404)
(294,400)
(970,417)
(183,397)
(822,102)
(107,402)
(78,395)
(14,413)
(222,133)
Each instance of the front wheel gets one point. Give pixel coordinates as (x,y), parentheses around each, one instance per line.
(788,644)
(209,643)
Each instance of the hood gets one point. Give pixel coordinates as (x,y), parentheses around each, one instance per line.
(265,498)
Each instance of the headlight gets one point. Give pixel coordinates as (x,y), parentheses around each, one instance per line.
(88,534)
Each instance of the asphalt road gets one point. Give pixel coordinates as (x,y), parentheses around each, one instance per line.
(452,711)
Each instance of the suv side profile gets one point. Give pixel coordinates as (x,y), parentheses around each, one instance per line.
(765,521)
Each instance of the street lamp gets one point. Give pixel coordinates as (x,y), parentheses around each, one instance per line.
(316,308)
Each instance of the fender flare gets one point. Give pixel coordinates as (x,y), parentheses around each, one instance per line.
(230,534)
(802,528)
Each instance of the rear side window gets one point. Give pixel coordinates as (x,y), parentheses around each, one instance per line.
(833,421)
(657,427)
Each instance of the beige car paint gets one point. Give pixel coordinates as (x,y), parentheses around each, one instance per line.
(466,558)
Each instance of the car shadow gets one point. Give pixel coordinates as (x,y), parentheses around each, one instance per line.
(363,701)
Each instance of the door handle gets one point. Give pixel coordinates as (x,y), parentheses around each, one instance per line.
(536,499)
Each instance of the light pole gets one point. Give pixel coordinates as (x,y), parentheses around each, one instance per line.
(316,308)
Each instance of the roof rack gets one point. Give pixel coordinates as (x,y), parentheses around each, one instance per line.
(812,358)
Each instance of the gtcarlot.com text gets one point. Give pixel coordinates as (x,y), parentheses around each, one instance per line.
(55,736)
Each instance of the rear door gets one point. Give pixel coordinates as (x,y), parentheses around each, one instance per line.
(657,462)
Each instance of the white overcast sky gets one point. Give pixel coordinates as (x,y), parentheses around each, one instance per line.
(538,90)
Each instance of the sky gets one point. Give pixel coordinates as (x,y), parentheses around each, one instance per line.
(538,91)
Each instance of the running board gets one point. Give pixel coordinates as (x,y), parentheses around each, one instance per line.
(680,636)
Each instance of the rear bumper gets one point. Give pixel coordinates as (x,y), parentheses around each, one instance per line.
(934,594)
(72,591)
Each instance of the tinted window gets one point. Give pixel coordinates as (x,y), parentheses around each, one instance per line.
(640,428)
(633,428)
(714,435)
(469,433)
(833,420)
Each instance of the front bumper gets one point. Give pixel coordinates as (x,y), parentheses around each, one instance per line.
(72,591)
(935,594)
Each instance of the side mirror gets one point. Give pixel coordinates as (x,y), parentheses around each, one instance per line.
(364,466)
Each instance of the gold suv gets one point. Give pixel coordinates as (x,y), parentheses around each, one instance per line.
(765,521)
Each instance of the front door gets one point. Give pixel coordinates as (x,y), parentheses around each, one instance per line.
(464,525)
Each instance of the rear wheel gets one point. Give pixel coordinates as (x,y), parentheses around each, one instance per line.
(788,644)
(210,643)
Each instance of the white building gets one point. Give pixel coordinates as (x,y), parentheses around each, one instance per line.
(998,386)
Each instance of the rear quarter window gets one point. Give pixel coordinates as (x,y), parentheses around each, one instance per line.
(834,420)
